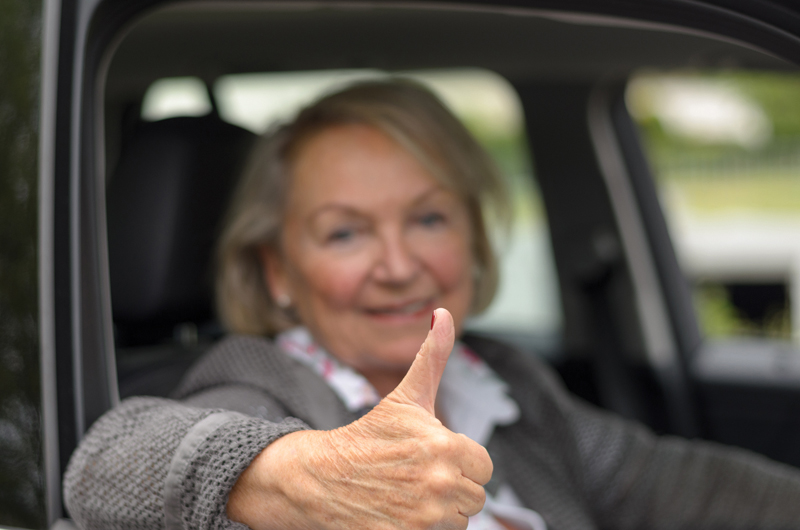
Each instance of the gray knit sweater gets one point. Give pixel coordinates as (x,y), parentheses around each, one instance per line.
(156,463)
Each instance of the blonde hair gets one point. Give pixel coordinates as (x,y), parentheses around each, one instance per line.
(405,111)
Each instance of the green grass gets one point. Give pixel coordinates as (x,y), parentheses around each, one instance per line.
(776,192)
(720,318)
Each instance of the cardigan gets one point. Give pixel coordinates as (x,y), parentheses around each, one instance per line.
(153,463)
(471,400)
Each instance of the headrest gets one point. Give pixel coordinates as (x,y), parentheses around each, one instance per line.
(165,203)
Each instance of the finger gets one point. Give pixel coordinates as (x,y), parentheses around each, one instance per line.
(474,461)
(453,521)
(420,384)
(471,497)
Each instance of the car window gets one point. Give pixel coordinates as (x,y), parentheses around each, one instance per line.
(21,490)
(527,307)
(724,147)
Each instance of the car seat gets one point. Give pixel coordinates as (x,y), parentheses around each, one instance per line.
(165,203)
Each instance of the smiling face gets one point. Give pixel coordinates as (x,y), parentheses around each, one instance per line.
(371,245)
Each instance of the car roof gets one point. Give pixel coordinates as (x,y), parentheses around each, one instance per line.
(210,39)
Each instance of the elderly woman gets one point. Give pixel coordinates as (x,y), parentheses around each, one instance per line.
(351,226)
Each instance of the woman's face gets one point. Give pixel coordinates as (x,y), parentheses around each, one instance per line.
(371,245)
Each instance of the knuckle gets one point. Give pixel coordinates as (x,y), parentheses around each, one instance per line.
(485,466)
(481,453)
(440,482)
(439,443)
(457,521)
(473,501)
(444,440)
(480,498)
(430,516)
(487,463)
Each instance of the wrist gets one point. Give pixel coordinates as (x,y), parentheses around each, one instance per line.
(264,488)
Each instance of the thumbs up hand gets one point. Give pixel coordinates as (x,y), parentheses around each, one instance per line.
(444,470)
(397,467)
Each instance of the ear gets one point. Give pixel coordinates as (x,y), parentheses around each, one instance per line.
(274,272)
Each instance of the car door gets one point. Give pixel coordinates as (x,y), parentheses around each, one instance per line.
(73,330)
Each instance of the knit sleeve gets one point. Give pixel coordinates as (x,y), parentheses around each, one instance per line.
(630,478)
(634,479)
(154,463)
(589,468)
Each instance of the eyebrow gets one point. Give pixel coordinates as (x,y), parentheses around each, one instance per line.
(356,212)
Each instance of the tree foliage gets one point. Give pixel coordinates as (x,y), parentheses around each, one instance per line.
(21,502)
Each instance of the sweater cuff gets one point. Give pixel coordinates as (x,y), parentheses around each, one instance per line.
(208,463)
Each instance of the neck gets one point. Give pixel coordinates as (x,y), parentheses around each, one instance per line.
(384,381)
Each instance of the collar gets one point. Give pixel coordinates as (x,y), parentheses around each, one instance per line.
(471,395)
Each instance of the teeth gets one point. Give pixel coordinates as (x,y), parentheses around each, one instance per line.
(413,308)
(404,310)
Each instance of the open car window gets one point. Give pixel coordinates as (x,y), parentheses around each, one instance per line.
(724,147)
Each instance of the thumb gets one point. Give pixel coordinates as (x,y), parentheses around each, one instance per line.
(420,384)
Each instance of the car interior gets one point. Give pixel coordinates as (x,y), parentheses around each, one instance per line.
(627,336)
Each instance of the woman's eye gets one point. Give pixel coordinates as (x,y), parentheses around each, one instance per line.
(431,219)
(341,235)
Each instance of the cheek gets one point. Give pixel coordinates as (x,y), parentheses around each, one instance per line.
(330,280)
(450,262)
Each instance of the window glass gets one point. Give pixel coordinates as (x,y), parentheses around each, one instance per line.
(527,305)
(175,96)
(21,493)
(725,151)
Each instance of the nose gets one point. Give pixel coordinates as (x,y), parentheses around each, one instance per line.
(397,263)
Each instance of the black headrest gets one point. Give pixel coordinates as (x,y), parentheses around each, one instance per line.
(165,203)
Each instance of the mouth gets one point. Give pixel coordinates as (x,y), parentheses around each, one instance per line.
(414,309)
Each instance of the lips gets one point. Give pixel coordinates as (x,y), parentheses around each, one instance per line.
(403,309)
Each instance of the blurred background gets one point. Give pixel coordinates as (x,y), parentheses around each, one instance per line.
(724,147)
(725,150)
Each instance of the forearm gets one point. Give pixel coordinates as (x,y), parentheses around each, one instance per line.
(671,483)
(701,485)
(262,497)
(155,462)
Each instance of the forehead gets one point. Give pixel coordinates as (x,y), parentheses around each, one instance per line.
(355,165)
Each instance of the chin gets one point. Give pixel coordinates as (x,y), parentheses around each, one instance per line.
(399,355)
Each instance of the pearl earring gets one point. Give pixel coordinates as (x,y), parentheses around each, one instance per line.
(283,301)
